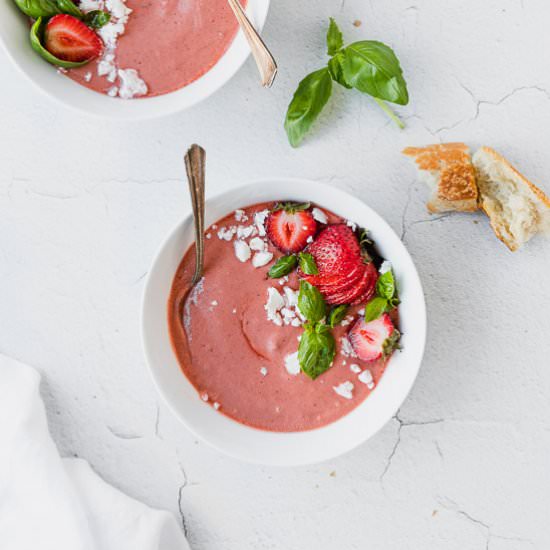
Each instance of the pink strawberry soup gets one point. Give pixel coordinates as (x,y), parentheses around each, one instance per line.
(165,44)
(236,333)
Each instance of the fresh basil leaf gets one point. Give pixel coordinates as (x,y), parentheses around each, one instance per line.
(96,18)
(283,266)
(372,68)
(336,70)
(385,286)
(393,303)
(316,350)
(307,264)
(311,302)
(375,308)
(336,315)
(308,101)
(47,8)
(69,7)
(335,41)
(392,343)
(36,36)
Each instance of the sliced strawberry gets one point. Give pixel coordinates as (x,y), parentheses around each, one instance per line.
(356,292)
(290,227)
(69,39)
(375,339)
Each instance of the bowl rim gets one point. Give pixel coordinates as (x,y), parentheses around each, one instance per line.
(293,437)
(85,101)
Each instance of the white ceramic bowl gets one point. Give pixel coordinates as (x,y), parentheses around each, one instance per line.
(284,449)
(14,36)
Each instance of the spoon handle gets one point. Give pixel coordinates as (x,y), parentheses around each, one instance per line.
(265,61)
(195,159)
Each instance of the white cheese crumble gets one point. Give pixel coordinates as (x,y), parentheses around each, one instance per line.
(261,258)
(214,303)
(88,76)
(291,296)
(113,91)
(351,224)
(244,231)
(366,378)
(242,251)
(345,389)
(204,396)
(274,303)
(263,371)
(208,236)
(240,215)
(309,240)
(257,244)
(217,405)
(319,215)
(346,350)
(355,368)
(259,220)
(292,364)
(347,321)
(225,234)
(131,85)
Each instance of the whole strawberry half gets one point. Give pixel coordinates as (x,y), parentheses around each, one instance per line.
(374,340)
(289,226)
(67,38)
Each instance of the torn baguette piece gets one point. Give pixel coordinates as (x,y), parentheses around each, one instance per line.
(447,169)
(517,209)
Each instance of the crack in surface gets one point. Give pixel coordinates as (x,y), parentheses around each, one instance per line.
(404,424)
(452,506)
(183,521)
(124,435)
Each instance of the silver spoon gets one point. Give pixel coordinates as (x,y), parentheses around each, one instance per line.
(195,159)
(265,61)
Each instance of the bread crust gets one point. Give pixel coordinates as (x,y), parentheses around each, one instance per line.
(450,164)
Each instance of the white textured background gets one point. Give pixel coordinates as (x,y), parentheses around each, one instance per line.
(84,205)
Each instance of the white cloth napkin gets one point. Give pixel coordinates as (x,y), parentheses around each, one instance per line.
(47,502)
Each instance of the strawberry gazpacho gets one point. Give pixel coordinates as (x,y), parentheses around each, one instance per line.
(128,48)
(294,321)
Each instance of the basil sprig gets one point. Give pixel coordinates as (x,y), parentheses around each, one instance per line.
(307,263)
(283,266)
(316,350)
(336,315)
(386,297)
(36,36)
(47,8)
(369,66)
(317,346)
(96,18)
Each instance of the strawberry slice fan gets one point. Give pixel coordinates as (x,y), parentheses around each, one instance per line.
(344,277)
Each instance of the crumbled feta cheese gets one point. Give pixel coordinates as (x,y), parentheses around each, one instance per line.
(257,244)
(296,322)
(291,297)
(259,220)
(90,5)
(274,303)
(351,224)
(261,258)
(240,215)
(355,368)
(263,371)
(346,350)
(131,85)
(208,236)
(88,76)
(234,311)
(204,396)
(292,364)
(225,234)
(217,405)
(214,302)
(345,389)
(366,378)
(361,311)
(319,215)
(309,240)
(347,321)
(242,251)
(113,91)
